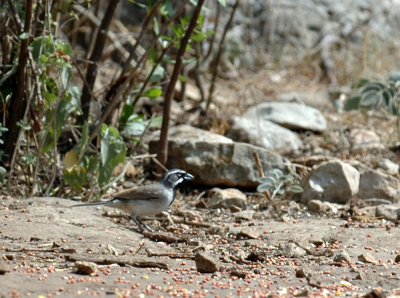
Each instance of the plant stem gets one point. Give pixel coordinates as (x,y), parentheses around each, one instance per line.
(162,153)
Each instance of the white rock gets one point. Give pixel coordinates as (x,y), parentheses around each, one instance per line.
(264,133)
(291,115)
(374,184)
(389,166)
(389,212)
(332,181)
(216,160)
(224,198)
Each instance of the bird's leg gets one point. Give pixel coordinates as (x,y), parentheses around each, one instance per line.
(141,225)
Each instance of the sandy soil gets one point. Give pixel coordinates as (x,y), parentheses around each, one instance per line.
(294,253)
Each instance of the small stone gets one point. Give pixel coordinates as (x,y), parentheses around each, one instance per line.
(360,276)
(244,215)
(206,263)
(389,166)
(375,293)
(291,250)
(397,259)
(225,198)
(238,273)
(367,258)
(303,273)
(235,209)
(86,268)
(4,268)
(342,256)
(247,233)
(317,206)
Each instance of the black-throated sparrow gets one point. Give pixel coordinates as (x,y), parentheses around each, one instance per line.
(149,199)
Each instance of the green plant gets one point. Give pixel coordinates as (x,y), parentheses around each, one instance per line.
(85,169)
(276,182)
(376,95)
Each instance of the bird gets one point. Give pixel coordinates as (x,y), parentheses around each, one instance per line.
(147,200)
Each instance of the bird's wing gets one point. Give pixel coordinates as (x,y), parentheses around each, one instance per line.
(147,192)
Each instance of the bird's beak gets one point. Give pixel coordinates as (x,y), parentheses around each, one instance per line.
(188,176)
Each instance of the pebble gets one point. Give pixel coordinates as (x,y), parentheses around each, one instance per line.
(86,268)
(342,256)
(4,268)
(367,258)
(206,263)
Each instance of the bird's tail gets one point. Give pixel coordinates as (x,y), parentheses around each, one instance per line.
(94,204)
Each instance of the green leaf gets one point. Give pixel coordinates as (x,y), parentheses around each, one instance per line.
(65,76)
(371,99)
(222,2)
(264,187)
(126,113)
(182,78)
(167,9)
(269,179)
(361,83)
(199,36)
(75,177)
(24,35)
(294,188)
(112,152)
(353,103)
(134,128)
(156,122)
(158,74)
(153,92)
(155,26)
(83,142)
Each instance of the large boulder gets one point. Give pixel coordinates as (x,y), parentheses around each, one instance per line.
(264,133)
(215,159)
(332,181)
(291,115)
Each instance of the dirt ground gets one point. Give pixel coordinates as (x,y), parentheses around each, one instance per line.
(285,252)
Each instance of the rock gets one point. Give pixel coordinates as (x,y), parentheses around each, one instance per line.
(317,206)
(291,115)
(342,256)
(397,259)
(225,198)
(360,276)
(86,268)
(369,211)
(363,139)
(264,133)
(374,184)
(240,274)
(3,268)
(375,293)
(303,273)
(247,233)
(367,258)
(217,160)
(206,263)
(318,99)
(331,181)
(388,166)
(292,250)
(388,212)
(244,215)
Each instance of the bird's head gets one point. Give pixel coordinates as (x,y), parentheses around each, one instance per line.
(175,177)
